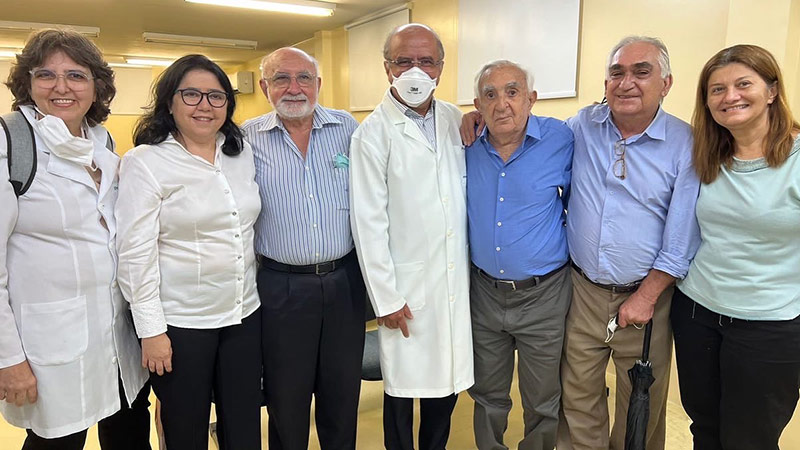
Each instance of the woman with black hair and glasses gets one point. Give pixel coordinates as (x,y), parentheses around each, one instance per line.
(187,205)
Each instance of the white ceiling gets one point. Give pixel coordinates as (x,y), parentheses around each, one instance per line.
(122,23)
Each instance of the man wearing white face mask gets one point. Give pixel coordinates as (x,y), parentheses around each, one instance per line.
(408,214)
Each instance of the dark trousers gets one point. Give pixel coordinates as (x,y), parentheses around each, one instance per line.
(127,429)
(434,422)
(739,379)
(226,361)
(313,341)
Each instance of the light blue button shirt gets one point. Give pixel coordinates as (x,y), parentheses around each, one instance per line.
(305,214)
(618,229)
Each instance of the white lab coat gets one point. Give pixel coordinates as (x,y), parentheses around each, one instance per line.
(409,220)
(60,307)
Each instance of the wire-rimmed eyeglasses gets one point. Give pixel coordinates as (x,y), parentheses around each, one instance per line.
(77,80)
(620,169)
(422,63)
(283,80)
(193,97)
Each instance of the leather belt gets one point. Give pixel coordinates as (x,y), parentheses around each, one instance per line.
(512,285)
(614,288)
(316,269)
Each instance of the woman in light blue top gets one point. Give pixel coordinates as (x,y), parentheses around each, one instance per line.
(735,316)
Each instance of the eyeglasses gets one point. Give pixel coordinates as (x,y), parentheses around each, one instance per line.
(193,97)
(406,63)
(620,170)
(47,79)
(283,80)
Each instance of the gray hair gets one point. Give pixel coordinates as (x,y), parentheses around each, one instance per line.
(267,59)
(387,44)
(489,67)
(662,58)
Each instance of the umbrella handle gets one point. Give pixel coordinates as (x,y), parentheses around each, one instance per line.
(648,331)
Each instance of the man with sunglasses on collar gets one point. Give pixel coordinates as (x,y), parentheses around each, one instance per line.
(312,294)
(632,232)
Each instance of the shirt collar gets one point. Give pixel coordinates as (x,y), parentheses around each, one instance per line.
(656,130)
(321,118)
(532,130)
(410,113)
(170,139)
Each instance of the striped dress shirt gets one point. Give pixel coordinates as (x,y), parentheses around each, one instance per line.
(305,202)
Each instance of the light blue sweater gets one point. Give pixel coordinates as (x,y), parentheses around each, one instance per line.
(748,264)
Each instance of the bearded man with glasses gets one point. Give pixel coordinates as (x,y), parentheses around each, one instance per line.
(311,290)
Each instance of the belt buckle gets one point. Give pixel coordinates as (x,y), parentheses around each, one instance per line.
(330,266)
(509,282)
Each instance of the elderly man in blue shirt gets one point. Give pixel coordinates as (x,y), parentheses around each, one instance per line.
(312,294)
(632,232)
(518,175)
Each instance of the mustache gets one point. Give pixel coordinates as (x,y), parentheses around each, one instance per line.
(294,98)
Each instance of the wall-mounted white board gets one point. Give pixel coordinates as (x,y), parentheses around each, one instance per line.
(368,80)
(541,35)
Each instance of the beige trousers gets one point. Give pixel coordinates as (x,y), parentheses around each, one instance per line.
(584,423)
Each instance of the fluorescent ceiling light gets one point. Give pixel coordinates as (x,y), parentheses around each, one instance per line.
(148,62)
(9,53)
(306,7)
(28,27)
(161,38)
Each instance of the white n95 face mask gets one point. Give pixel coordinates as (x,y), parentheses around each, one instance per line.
(62,143)
(414,86)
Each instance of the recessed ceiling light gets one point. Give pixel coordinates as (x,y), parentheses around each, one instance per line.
(306,7)
(28,27)
(134,61)
(179,39)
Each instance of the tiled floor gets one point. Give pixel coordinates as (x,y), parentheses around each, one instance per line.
(370,430)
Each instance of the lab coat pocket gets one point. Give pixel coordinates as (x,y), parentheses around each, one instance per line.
(55,332)
(411,283)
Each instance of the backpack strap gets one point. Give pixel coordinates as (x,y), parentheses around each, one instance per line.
(21,151)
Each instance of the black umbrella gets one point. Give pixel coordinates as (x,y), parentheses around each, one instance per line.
(641,375)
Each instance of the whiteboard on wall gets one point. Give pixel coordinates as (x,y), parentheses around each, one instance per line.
(541,35)
(368,80)
(5,95)
(133,90)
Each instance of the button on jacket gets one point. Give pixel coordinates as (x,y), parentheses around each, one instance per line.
(60,307)
(186,237)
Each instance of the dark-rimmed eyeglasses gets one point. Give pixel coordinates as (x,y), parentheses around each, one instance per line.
(77,80)
(193,97)
(283,80)
(407,63)
(620,169)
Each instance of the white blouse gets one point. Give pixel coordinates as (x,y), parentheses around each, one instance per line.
(185,237)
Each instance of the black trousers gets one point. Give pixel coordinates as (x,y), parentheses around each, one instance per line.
(434,422)
(226,361)
(313,341)
(127,429)
(739,379)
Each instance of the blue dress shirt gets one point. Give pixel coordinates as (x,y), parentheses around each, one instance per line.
(516,207)
(620,229)
(305,213)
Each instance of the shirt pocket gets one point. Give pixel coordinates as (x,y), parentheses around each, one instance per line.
(341,183)
(410,281)
(55,332)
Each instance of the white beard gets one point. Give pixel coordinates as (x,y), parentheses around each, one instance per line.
(291,110)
